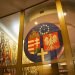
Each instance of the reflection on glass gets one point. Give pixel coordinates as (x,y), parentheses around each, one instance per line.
(63,68)
(9,30)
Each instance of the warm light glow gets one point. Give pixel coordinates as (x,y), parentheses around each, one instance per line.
(23,41)
(65,13)
(15,27)
(7,31)
(62,14)
(63,63)
(47,65)
(9,74)
(35,23)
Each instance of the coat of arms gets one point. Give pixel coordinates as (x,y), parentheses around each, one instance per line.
(43,43)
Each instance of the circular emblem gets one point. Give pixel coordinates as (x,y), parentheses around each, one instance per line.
(43,43)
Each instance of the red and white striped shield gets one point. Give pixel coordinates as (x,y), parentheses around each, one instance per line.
(33,44)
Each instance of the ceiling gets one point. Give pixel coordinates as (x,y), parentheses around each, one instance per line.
(12,6)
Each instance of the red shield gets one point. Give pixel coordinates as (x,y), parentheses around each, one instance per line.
(51,41)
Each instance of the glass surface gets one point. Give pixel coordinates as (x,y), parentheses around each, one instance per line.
(9,31)
(63,68)
(36,19)
(8,71)
(37,70)
(70,22)
(41,21)
(69,14)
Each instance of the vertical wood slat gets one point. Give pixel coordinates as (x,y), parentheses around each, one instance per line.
(20,45)
(66,40)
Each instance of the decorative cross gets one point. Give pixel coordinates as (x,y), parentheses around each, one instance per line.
(42,54)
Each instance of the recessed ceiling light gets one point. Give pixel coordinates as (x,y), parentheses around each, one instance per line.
(65,13)
(35,23)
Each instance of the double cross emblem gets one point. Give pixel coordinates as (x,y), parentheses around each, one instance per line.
(42,53)
(34,47)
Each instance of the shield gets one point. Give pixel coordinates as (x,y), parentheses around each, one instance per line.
(43,43)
